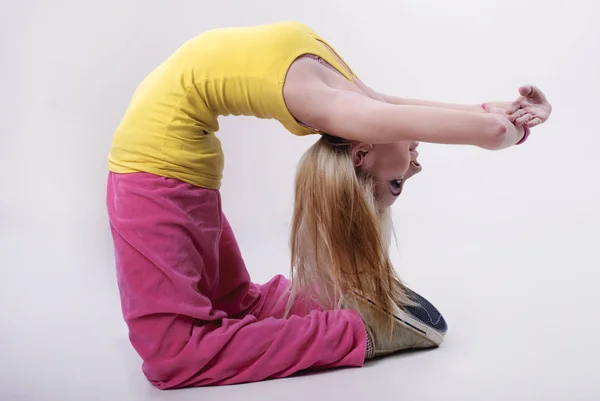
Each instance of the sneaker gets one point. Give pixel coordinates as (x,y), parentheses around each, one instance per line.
(418,326)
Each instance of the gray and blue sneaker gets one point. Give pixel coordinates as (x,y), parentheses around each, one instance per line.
(418,326)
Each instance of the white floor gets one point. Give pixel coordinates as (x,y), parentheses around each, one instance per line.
(523,322)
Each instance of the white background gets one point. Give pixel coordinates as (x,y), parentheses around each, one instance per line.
(504,243)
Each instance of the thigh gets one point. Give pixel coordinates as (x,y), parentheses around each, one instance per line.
(191,249)
(166,236)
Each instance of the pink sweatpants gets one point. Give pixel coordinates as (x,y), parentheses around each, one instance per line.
(193,314)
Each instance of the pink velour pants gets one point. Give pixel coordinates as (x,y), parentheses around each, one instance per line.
(193,314)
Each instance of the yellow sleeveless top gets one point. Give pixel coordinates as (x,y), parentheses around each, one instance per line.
(169,127)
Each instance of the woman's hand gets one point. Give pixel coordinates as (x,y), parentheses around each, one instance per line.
(514,133)
(530,109)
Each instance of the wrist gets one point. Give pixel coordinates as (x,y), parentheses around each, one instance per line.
(485,107)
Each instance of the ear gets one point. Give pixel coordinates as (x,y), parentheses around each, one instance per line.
(359,153)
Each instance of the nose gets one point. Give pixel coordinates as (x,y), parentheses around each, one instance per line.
(414,145)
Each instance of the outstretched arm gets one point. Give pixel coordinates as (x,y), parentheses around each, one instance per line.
(404,101)
(355,116)
(531,108)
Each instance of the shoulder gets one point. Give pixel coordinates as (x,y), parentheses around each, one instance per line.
(311,86)
(304,88)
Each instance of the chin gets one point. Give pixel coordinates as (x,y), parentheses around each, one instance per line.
(385,198)
(386,203)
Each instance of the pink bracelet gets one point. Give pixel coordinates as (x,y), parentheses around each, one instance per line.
(525,136)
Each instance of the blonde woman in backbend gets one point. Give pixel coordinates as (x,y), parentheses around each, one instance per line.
(194,316)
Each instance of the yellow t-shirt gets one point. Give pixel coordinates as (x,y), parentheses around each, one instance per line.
(169,127)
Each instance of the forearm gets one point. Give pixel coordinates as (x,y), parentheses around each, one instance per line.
(356,117)
(441,125)
(450,106)
(512,135)
(381,122)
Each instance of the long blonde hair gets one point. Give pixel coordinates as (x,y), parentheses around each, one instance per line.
(339,238)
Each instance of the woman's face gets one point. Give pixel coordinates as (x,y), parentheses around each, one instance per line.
(390,164)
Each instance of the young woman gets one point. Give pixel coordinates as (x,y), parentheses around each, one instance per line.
(194,316)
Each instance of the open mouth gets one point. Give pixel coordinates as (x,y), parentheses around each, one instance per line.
(396,186)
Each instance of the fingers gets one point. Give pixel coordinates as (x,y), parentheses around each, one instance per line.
(526,90)
(518,113)
(534,122)
(524,119)
(532,92)
(514,106)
